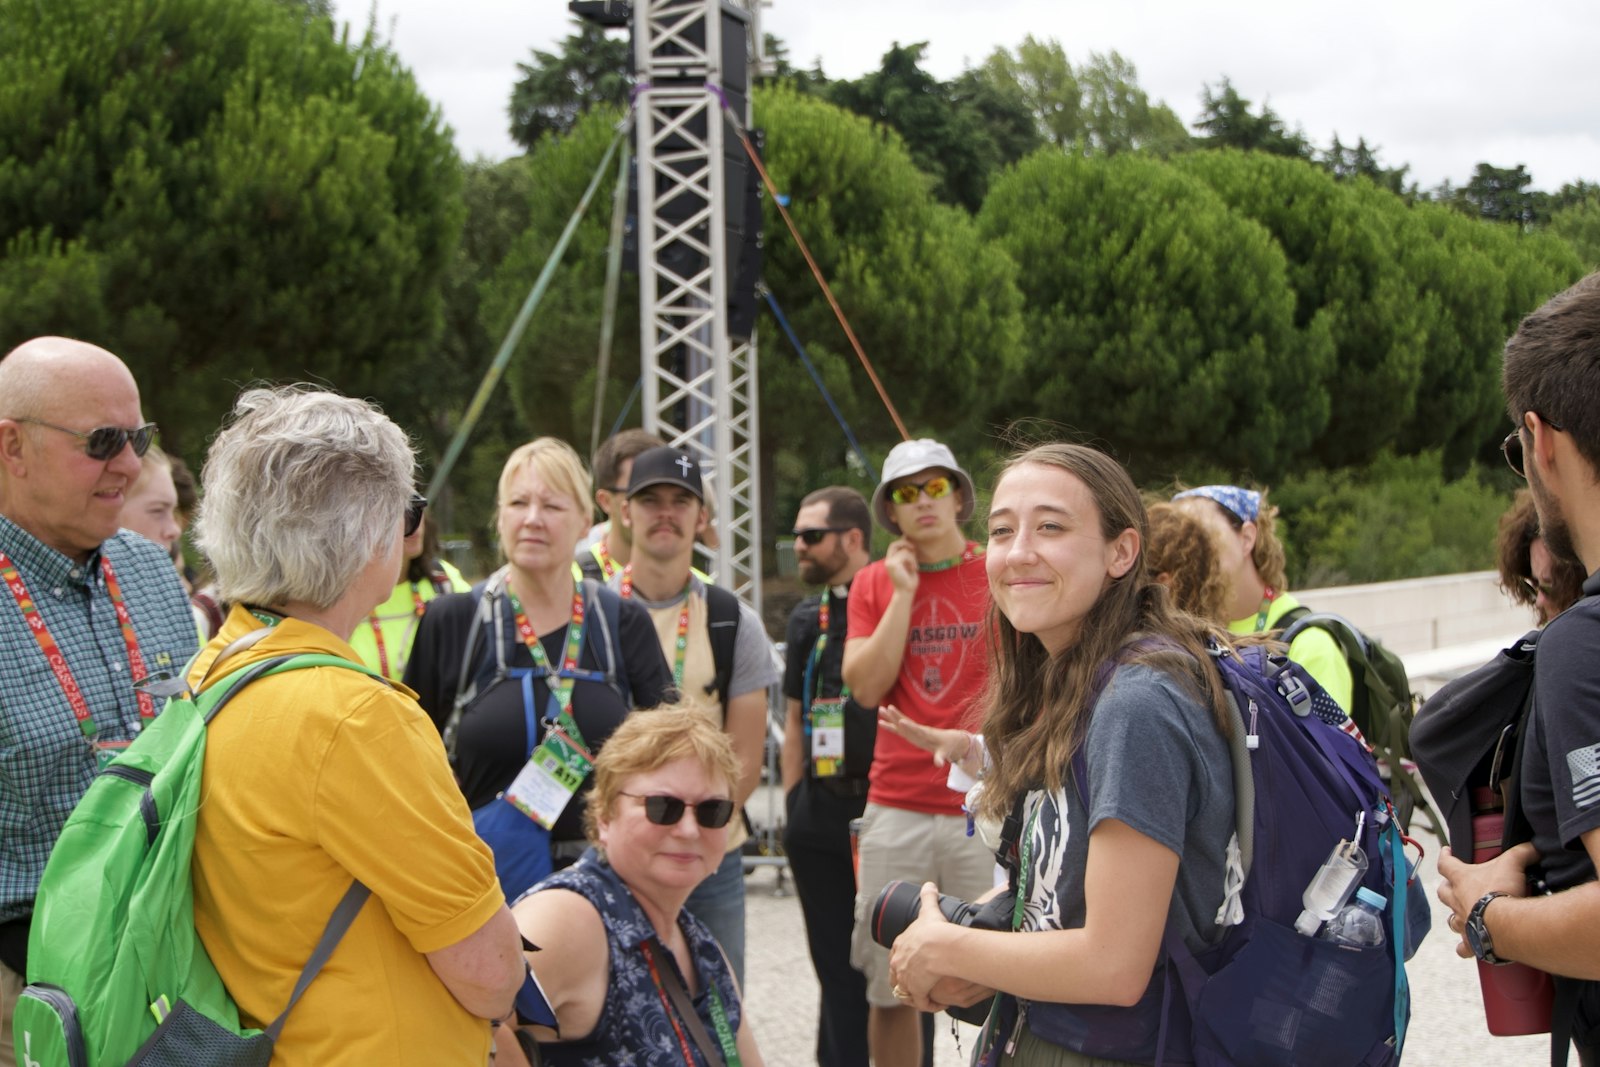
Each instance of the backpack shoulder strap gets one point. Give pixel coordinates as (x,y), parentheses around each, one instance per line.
(1287,620)
(486,607)
(344,913)
(356,896)
(609,620)
(722,626)
(1346,634)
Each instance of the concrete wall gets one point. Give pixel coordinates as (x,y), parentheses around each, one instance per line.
(1440,626)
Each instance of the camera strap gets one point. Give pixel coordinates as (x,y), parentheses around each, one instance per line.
(1006,853)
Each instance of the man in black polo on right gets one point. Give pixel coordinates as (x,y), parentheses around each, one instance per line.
(1551,378)
(827,749)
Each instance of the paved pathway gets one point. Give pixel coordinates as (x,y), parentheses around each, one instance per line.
(1447,1027)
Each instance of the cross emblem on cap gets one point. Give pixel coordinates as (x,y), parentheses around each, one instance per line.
(686,465)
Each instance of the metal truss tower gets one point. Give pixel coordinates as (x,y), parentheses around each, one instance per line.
(700,388)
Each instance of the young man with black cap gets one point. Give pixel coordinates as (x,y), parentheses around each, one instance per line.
(608,547)
(916,643)
(715,644)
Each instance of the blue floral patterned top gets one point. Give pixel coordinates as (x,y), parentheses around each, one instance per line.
(634,1028)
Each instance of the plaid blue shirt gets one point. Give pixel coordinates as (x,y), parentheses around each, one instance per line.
(45,761)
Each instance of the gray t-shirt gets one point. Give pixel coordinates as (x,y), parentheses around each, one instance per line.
(1157,763)
(755,662)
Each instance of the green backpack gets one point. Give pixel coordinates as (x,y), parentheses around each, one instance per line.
(117,974)
(1384,707)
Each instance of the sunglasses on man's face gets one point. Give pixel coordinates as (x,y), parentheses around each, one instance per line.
(815,535)
(936,488)
(667,811)
(1512,448)
(414,509)
(1535,587)
(106,442)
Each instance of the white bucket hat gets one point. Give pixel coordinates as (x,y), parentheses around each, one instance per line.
(912,457)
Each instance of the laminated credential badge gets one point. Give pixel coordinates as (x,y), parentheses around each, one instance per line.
(550,779)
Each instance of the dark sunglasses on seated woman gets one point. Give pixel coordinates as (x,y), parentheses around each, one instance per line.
(414,509)
(104,442)
(667,811)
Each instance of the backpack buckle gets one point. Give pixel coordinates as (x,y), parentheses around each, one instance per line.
(1295,692)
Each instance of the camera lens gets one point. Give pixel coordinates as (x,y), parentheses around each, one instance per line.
(895,909)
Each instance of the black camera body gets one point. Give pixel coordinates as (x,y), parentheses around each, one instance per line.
(900,902)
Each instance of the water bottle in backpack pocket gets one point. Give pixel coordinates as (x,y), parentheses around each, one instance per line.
(1289,999)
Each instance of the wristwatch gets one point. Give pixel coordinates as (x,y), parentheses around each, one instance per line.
(1478,934)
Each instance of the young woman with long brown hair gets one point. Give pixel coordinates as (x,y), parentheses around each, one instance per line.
(1103,722)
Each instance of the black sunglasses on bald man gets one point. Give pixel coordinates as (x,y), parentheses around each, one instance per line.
(105,442)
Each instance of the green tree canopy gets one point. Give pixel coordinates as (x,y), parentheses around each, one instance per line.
(1476,280)
(936,308)
(551,381)
(1347,162)
(959,133)
(219,191)
(1160,321)
(1228,122)
(1578,223)
(1097,109)
(590,71)
(1501,194)
(1343,265)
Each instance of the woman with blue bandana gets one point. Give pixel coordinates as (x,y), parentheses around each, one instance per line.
(1241,520)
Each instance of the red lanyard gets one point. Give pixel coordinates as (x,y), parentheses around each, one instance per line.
(58,661)
(1267,597)
(602,556)
(666,1005)
(418,606)
(822,643)
(681,646)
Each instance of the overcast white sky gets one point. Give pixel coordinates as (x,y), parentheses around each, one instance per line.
(1439,85)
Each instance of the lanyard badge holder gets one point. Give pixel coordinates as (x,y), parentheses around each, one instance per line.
(559,764)
(825,715)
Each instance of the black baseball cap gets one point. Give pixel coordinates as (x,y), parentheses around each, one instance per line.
(666,466)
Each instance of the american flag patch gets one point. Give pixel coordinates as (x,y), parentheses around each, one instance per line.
(1583,764)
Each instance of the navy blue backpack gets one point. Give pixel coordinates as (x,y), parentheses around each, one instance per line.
(1265,995)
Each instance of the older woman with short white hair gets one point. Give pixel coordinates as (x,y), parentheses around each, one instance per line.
(322,775)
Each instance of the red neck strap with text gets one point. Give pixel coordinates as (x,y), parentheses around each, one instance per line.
(58,661)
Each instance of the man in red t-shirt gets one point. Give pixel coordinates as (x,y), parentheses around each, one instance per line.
(916,642)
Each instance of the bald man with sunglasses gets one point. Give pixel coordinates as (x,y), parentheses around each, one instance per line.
(87,611)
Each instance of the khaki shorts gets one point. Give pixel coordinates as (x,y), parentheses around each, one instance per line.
(915,848)
(11,984)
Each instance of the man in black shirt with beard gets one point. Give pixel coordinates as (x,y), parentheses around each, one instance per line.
(827,748)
